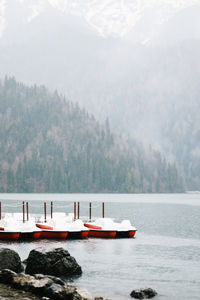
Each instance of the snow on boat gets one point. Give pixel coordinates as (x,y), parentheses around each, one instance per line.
(125,229)
(52,230)
(75,229)
(102,228)
(6,230)
(107,228)
(58,225)
(29,232)
(28,229)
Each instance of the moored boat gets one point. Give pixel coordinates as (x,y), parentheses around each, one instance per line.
(30,235)
(7,231)
(7,234)
(58,225)
(102,233)
(125,229)
(50,232)
(107,228)
(77,230)
(27,229)
(102,228)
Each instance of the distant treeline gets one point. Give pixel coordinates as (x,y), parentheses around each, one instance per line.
(49,144)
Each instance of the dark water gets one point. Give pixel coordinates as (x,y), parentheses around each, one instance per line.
(165,254)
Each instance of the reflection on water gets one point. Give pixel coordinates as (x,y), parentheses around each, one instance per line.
(165,254)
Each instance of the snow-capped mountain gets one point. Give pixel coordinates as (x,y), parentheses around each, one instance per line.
(110,18)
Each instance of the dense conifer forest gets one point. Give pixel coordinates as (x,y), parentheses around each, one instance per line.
(49,144)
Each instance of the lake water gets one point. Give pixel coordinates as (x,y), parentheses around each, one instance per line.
(165,254)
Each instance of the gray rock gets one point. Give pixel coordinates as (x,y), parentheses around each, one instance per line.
(56,291)
(48,287)
(53,278)
(9,259)
(85,295)
(25,282)
(143,293)
(70,292)
(56,262)
(30,283)
(6,276)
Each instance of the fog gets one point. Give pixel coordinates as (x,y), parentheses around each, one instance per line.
(135,62)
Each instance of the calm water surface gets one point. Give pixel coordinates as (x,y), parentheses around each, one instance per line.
(165,254)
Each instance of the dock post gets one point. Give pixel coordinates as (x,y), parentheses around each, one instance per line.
(51,209)
(78,210)
(45,212)
(90,211)
(74,211)
(103,210)
(27,217)
(23,210)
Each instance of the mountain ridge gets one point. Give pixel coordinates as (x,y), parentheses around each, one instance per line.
(49,144)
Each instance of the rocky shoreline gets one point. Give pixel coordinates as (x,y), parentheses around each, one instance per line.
(43,286)
(38,281)
(44,277)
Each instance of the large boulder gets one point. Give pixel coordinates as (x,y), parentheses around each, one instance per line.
(56,262)
(143,293)
(9,259)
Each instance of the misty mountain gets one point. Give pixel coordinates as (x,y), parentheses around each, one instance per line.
(49,144)
(147,82)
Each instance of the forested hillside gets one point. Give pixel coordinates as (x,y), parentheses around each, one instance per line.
(48,144)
